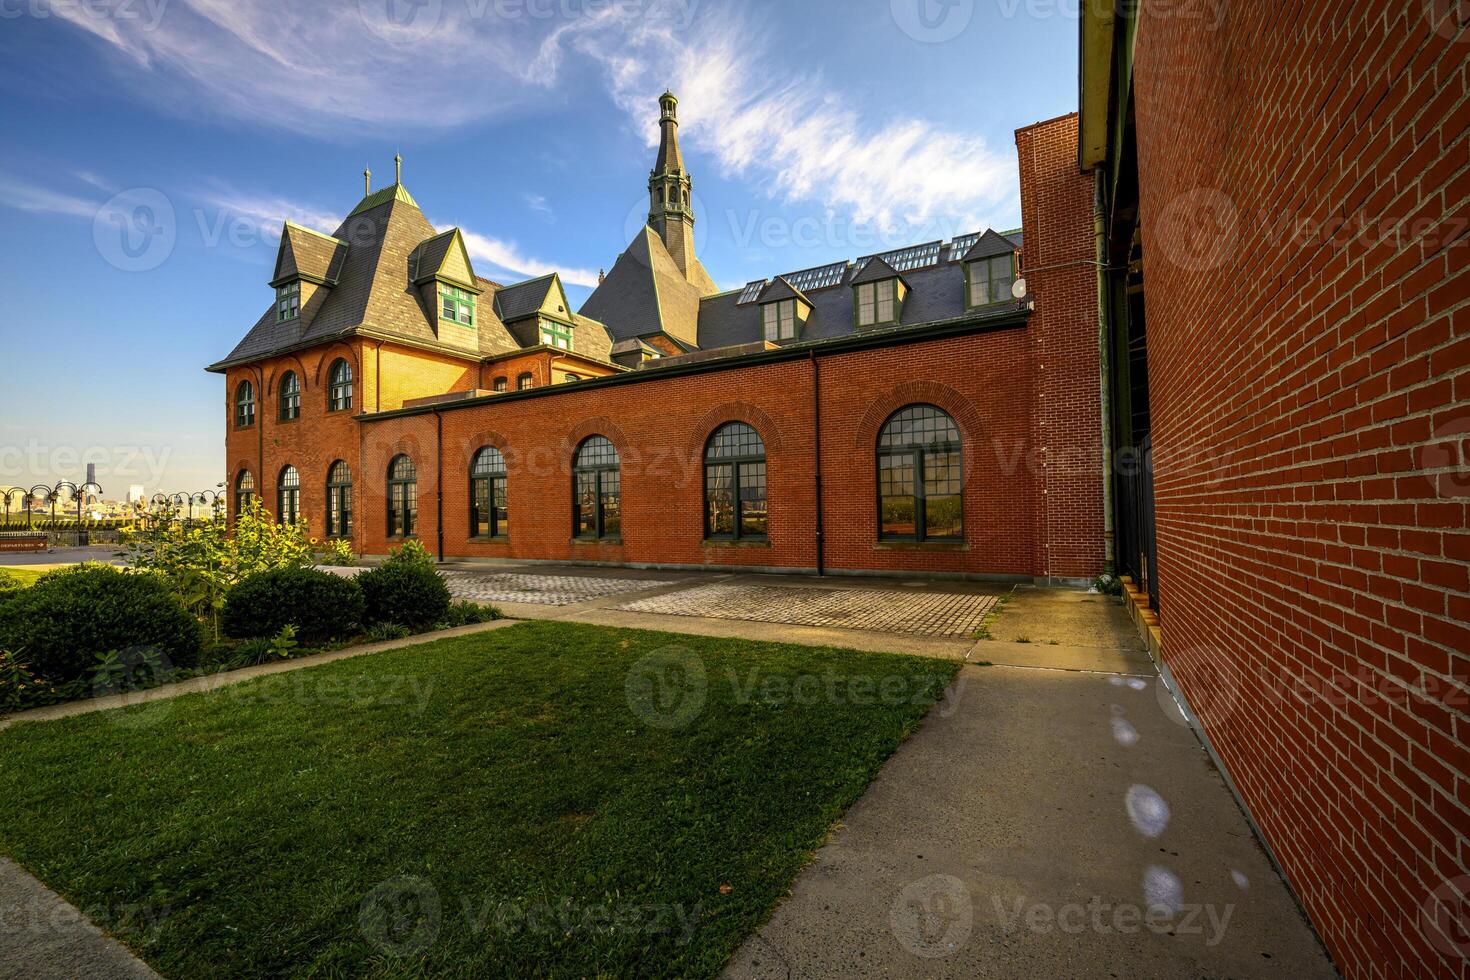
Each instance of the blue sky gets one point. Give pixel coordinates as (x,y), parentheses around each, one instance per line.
(815,132)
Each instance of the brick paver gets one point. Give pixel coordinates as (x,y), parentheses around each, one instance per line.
(925,613)
(542,590)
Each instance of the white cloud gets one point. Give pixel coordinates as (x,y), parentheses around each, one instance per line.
(506,256)
(25,196)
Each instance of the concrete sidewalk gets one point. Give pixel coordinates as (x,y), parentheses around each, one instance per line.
(1041,823)
(42,937)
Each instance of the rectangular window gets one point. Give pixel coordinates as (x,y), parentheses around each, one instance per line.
(720,500)
(779,320)
(458,305)
(288,302)
(612,519)
(898,503)
(489,510)
(991,279)
(943,509)
(555,334)
(877,303)
(586,504)
(753,521)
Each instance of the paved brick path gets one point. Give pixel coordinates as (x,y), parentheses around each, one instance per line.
(542,590)
(925,613)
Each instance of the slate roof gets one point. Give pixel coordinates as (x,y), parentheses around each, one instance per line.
(781,288)
(523,298)
(989,245)
(309,253)
(645,293)
(875,270)
(429,257)
(387,239)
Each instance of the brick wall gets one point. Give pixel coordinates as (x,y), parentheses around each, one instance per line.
(1059,263)
(1304,201)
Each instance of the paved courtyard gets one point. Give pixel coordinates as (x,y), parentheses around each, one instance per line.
(919,613)
(541,590)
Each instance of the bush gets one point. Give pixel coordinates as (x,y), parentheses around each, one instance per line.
(411,595)
(63,622)
(466,613)
(321,606)
(8,584)
(410,554)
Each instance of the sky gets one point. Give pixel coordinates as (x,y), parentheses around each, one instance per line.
(153,149)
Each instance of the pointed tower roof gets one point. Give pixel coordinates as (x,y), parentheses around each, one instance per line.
(989,245)
(669,156)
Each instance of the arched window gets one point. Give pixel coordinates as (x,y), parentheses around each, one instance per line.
(525,381)
(245,405)
(290,396)
(339,391)
(339,500)
(244,492)
(403,498)
(596,490)
(735,483)
(919,476)
(488,515)
(288,496)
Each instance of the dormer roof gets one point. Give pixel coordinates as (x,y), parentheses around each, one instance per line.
(523,299)
(877,270)
(990,245)
(780,289)
(310,255)
(442,257)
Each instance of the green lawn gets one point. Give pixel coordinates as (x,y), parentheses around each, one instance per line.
(529,796)
(26,575)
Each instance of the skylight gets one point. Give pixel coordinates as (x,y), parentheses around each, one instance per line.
(818,278)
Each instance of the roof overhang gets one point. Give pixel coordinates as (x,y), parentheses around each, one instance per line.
(1095,81)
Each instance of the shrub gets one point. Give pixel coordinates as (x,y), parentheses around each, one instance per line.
(9,583)
(410,554)
(466,613)
(321,606)
(70,616)
(411,595)
(339,552)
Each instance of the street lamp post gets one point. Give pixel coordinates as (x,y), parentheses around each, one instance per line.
(45,494)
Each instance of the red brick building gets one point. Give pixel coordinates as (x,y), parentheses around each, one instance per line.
(1284,196)
(900,412)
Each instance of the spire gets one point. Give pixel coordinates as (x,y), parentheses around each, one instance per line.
(670,160)
(367,181)
(398,168)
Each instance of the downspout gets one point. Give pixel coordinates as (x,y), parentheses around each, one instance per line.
(439,480)
(817,450)
(1104,319)
(260,404)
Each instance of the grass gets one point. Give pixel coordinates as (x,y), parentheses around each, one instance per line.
(992,617)
(508,786)
(27,576)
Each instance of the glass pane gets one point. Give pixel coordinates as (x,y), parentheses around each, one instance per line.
(918,425)
(719,501)
(734,439)
(413,509)
(612,517)
(943,517)
(346,512)
(753,499)
(896,486)
(502,512)
(597,451)
(586,505)
(480,498)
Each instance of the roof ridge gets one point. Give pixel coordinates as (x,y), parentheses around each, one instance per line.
(313,231)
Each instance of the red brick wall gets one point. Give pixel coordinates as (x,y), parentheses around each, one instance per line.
(662,450)
(1059,264)
(1304,200)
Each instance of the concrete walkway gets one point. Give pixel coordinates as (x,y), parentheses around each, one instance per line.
(42,937)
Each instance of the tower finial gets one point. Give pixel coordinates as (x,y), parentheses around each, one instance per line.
(398,168)
(367,181)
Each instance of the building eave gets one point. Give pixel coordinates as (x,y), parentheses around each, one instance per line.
(1095,77)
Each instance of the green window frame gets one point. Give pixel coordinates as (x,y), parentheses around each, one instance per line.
(288,302)
(877,303)
(339,500)
(339,391)
(456,305)
(735,503)
(597,490)
(290,397)
(920,476)
(288,496)
(244,492)
(554,334)
(245,405)
(778,320)
(989,281)
(403,498)
(489,510)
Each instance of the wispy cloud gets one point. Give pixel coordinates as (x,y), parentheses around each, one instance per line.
(538,203)
(507,257)
(26,196)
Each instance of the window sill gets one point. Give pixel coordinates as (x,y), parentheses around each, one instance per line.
(897,544)
(735,543)
(597,541)
(280,421)
(490,538)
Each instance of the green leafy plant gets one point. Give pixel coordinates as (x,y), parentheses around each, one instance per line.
(283,645)
(9,583)
(339,553)
(129,670)
(466,613)
(383,632)
(409,594)
(320,605)
(19,687)
(410,554)
(202,561)
(1108,584)
(70,616)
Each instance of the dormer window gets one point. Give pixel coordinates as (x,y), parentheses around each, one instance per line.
(456,305)
(988,281)
(877,303)
(288,301)
(555,334)
(779,320)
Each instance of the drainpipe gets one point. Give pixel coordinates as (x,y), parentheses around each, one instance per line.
(1105,359)
(439,480)
(260,414)
(817,450)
